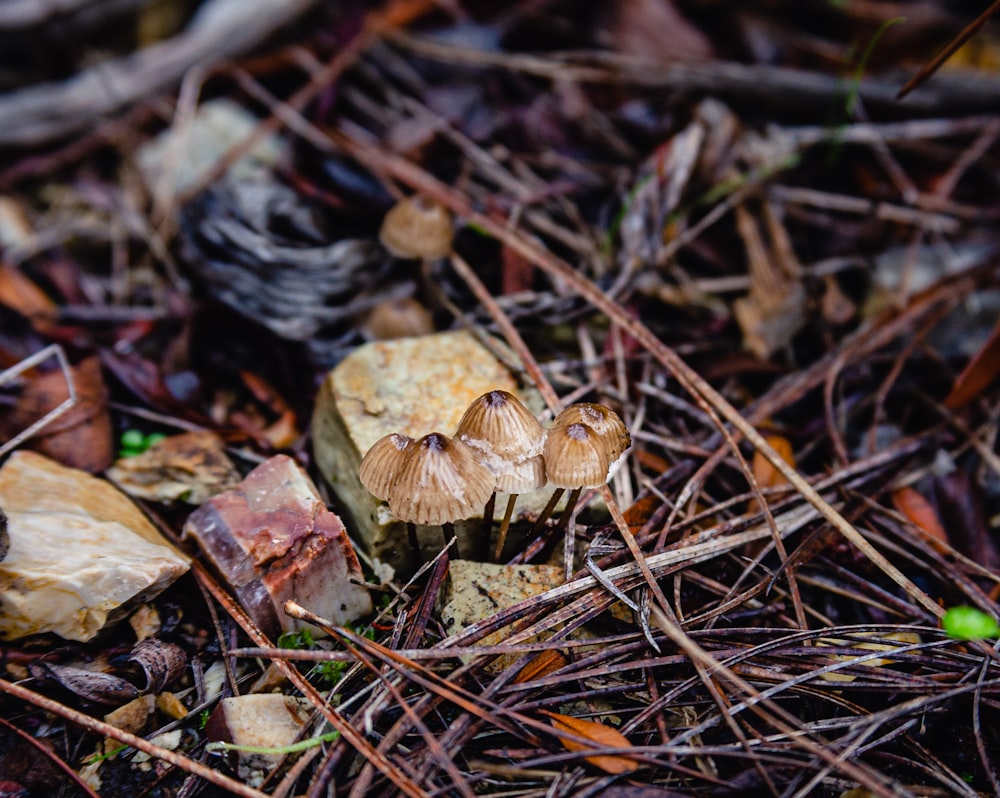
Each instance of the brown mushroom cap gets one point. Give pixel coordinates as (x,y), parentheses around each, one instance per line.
(417,227)
(440,482)
(400,317)
(381,463)
(602,420)
(576,457)
(498,420)
(507,439)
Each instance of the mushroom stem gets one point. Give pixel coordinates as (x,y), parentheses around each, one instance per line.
(567,512)
(411,536)
(547,511)
(448,529)
(488,517)
(504,526)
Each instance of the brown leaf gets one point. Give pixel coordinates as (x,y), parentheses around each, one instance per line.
(920,513)
(21,294)
(91,686)
(537,667)
(656,31)
(601,735)
(766,475)
(161,663)
(978,374)
(80,437)
(641,510)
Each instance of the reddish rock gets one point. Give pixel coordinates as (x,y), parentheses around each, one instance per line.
(273,539)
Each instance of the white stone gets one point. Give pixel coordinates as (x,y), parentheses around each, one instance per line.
(71,575)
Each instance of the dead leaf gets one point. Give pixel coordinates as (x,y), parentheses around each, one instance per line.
(517,273)
(80,437)
(655,30)
(601,735)
(161,663)
(540,666)
(919,512)
(91,686)
(21,294)
(766,475)
(978,374)
(641,510)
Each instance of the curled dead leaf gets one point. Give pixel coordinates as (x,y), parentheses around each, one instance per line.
(601,735)
(160,662)
(92,687)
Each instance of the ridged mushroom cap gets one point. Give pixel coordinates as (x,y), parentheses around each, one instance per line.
(417,227)
(498,421)
(602,420)
(381,463)
(576,457)
(400,317)
(507,439)
(439,482)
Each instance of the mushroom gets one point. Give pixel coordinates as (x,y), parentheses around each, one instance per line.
(399,317)
(602,420)
(584,442)
(380,468)
(417,227)
(439,481)
(508,440)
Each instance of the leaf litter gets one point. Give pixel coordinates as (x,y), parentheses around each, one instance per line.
(782,279)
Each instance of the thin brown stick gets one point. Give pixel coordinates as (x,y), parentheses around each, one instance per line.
(131,740)
(935,63)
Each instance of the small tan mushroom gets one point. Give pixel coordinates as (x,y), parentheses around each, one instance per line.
(602,420)
(439,482)
(401,317)
(417,227)
(508,440)
(580,448)
(381,463)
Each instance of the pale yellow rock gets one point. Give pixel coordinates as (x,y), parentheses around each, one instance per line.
(70,575)
(81,554)
(413,386)
(267,720)
(31,482)
(475,591)
(131,717)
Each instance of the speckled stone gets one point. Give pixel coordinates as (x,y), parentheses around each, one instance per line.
(475,591)
(414,386)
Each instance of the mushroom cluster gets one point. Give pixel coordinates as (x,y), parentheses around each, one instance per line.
(499,446)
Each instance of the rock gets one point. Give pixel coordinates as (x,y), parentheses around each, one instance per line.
(81,554)
(413,386)
(475,591)
(267,720)
(191,467)
(273,539)
(30,482)
(178,159)
(131,717)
